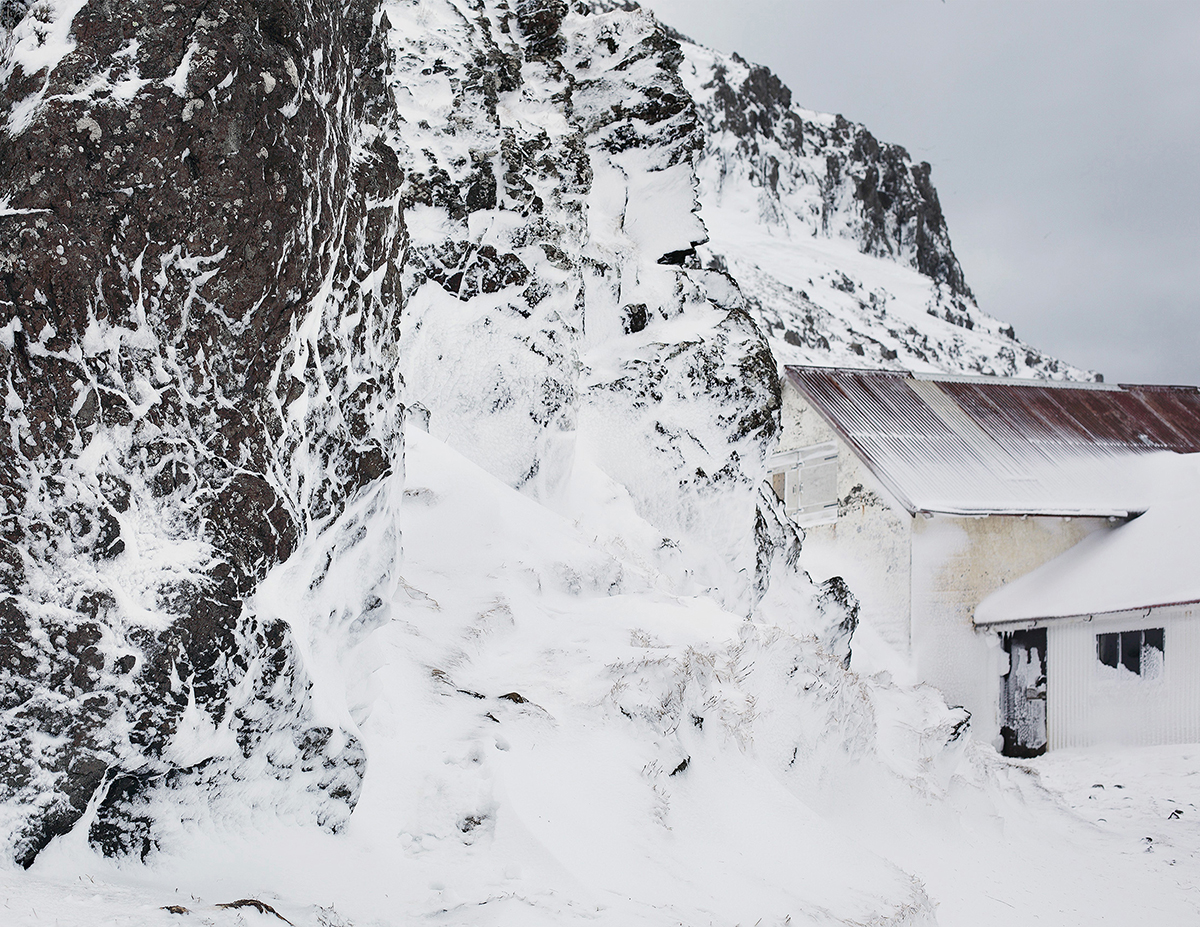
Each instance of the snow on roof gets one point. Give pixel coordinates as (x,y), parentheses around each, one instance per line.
(994,445)
(1150,561)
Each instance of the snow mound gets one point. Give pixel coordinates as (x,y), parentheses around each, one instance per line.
(552,737)
(547,734)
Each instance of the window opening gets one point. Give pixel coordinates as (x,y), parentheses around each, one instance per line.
(1140,652)
(805,480)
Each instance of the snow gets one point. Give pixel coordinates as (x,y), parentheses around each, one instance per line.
(573,709)
(177,81)
(1148,561)
(810,794)
(1148,798)
(799,256)
(37,44)
(940,451)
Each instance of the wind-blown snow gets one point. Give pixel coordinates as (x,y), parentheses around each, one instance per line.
(527,702)
(565,638)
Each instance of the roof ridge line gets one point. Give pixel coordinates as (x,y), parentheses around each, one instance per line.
(940,377)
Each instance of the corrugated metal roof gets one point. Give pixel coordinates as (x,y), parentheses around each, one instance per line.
(990,445)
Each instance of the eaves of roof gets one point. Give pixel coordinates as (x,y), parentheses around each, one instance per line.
(978,446)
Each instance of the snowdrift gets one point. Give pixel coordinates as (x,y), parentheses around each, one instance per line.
(384,535)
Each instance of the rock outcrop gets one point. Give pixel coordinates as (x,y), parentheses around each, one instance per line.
(238,239)
(198,310)
(790,176)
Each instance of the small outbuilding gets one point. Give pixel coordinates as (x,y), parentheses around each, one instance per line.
(931,493)
(1108,634)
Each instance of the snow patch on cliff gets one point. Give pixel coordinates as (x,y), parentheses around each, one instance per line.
(837,240)
(36,45)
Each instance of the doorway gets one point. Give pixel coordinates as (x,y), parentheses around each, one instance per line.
(1023,693)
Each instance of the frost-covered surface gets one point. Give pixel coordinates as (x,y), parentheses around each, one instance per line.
(557,660)
(970,446)
(1150,560)
(523,708)
(540,318)
(197,351)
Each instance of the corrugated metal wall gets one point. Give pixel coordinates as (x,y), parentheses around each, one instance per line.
(1088,703)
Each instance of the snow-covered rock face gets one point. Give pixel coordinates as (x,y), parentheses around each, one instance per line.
(206,254)
(238,239)
(550,196)
(197,343)
(837,240)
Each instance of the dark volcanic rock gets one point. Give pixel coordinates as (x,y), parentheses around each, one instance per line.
(182,258)
(540,20)
(889,200)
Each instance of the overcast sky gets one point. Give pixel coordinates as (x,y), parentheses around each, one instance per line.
(1064,138)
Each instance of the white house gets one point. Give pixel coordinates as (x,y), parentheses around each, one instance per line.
(930,493)
(1112,626)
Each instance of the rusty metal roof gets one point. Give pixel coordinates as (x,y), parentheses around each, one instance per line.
(992,445)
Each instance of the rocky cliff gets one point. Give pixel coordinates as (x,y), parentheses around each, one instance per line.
(242,243)
(837,240)
(198,341)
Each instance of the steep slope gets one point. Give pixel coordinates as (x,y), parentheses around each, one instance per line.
(213,218)
(836,239)
(197,341)
(549,163)
(250,252)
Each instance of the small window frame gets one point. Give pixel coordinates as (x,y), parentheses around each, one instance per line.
(805,480)
(1129,649)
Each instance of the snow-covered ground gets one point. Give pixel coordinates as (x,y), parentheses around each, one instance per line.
(566,713)
(1133,814)
(1146,800)
(556,735)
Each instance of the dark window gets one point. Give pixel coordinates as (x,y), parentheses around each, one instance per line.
(1140,652)
(1131,651)
(1108,649)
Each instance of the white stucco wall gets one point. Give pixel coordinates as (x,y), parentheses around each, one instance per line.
(802,425)
(869,545)
(1088,703)
(956,563)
